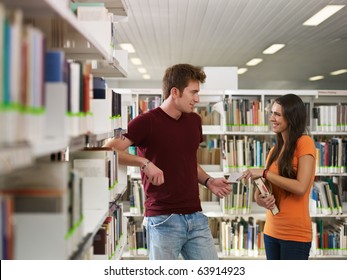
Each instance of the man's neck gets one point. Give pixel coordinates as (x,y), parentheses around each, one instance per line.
(168,106)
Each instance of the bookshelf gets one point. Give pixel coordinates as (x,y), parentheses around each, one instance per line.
(48,207)
(332,127)
(221,129)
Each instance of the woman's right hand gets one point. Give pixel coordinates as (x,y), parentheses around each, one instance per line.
(267,202)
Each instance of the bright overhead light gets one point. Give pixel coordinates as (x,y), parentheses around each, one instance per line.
(338,72)
(323,14)
(146,76)
(254,61)
(142,70)
(136,61)
(241,71)
(127,47)
(273,48)
(316,78)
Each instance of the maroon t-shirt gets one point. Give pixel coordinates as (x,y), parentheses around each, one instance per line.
(172,146)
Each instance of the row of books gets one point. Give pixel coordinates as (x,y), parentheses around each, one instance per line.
(209,156)
(242,152)
(52,198)
(327,118)
(331,155)
(47,197)
(21,53)
(44,94)
(137,238)
(208,115)
(249,114)
(244,115)
(240,237)
(329,237)
(326,197)
(107,240)
(239,153)
(239,201)
(136,197)
(149,102)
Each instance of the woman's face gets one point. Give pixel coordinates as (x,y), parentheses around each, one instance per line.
(278,121)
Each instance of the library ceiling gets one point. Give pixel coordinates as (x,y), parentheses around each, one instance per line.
(232,32)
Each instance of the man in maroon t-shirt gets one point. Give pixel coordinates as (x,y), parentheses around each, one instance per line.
(167,139)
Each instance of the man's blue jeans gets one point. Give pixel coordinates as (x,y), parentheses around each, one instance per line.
(188,234)
(277,249)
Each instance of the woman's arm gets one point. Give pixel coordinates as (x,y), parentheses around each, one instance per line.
(299,185)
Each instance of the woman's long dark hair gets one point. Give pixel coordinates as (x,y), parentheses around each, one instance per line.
(294,111)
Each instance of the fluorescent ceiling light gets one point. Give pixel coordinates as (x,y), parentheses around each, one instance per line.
(338,72)
(142,70)
(146,76)
(273,48)
(316,78)
(241,71)
(254,61)
(136,61)
(323,14)
(127,47)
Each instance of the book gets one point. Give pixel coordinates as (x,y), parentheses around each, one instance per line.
(54,66)
(319,186)
(234,176)
(264,190)
(99,242)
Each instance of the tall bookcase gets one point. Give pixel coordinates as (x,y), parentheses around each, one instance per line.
(250,129)
(48,205)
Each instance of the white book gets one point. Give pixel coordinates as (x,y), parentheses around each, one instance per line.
(75,70)
(332,118)
(56,123)
(232,156)
(16,22)
(240,239)
(223,238)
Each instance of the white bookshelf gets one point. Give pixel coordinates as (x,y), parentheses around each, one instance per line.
(48,234)
(212,209)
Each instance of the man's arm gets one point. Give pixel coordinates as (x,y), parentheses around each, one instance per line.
(203,177)
(121,145)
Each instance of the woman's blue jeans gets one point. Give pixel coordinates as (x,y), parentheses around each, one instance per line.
(185,234)
(278,249)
